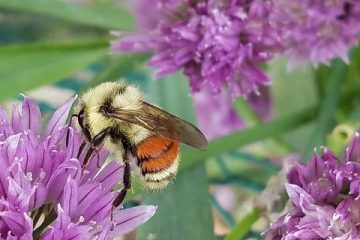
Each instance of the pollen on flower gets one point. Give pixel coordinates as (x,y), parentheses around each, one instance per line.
(81,219)
(29,176)
(42,174)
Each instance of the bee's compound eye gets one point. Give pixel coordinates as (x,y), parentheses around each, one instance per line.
(105,109)
(81,117)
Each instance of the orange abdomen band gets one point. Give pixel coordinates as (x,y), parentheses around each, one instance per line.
(156,153)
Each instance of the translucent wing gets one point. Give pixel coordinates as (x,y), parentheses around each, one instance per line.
(163,123)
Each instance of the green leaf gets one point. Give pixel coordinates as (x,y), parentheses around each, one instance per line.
(97,15)
(292,91)
(27,66)
(326,118)
(117,67)
(244,225)
(183,207)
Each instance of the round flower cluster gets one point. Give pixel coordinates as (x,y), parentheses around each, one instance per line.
(317,31)
(325,194)
(223,43)
(45,193)
(215,42)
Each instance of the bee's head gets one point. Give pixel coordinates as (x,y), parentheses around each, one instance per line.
(127,98)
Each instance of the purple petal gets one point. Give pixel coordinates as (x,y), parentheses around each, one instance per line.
(352,152)
(18,223)
(298,196)
(16,119)
(27,155)
(65,229)
(3,115)
(58,179)
(38,197)
(74,144)
(70,197)
(110,175)
(30,115)
(88,193)
(99,208)
(130,218)
(52,234)
(58,119)
(10,148)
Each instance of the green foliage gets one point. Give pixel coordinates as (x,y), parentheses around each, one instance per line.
(96,15)
(244,225)
(117,67)
(27,66)
(184,207)
(326,119)
(293,91)
(250,135)
(308,103)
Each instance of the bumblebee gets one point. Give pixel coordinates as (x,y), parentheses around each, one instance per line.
(114,115)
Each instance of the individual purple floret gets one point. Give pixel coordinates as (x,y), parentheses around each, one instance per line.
(216,43)
(44,192)
(325,198)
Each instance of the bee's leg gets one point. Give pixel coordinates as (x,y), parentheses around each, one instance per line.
(81,148)
(95,142)
(98,158)
(68,130)
(87,158)
(127,186)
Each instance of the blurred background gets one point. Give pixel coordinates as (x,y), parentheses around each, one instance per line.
(52,50)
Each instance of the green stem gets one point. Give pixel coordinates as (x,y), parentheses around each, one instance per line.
(251,119)
(270,129)
(223,213)
(246,113)
(244,225)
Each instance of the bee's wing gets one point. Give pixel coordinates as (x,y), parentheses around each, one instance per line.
(163,123)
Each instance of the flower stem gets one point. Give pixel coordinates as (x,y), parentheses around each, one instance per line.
(246,113)
(244,225)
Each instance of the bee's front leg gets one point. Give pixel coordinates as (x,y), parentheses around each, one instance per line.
(126,184)
(68,130)
(95,142)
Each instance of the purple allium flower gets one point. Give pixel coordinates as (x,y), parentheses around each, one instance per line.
(318,31)
(216,115)
(325,194)
(150,13)
(216,43)
(45,193)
